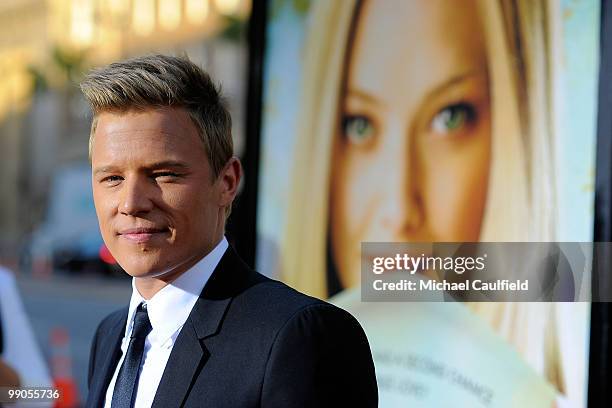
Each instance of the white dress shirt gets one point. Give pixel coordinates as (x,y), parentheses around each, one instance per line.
(168,311)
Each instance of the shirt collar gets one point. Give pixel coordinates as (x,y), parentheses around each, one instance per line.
(169,308)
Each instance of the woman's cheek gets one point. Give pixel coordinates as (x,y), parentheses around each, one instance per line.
(349,193)
(477,164)
(454,202)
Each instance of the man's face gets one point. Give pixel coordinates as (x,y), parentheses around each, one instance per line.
(159,206)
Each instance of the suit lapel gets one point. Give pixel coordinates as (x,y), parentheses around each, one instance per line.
(108,354)
(181,368)
(189,353)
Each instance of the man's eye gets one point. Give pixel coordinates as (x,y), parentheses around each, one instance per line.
(111,180)
(166,175)
(453,118)
(357,129)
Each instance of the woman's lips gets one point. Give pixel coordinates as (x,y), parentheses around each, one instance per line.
(141,235)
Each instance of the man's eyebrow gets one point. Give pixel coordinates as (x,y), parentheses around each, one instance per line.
(174,164)
(105,169)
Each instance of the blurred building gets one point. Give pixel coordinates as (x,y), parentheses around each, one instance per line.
(46,46)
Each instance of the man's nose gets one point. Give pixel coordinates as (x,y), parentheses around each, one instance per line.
(135,197)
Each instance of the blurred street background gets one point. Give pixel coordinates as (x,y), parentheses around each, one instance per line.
(71,309)
(48,230)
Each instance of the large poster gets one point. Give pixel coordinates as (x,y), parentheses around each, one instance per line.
(434,121)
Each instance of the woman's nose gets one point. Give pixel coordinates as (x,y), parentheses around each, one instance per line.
(402,210)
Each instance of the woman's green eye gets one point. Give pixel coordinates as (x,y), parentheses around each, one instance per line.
(357,128)
(453,118)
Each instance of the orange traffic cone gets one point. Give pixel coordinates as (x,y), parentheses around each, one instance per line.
(61,369)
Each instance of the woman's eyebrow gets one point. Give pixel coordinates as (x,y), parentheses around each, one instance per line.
(362,95)
(453,81)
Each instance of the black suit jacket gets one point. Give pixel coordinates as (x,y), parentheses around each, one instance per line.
(252,342)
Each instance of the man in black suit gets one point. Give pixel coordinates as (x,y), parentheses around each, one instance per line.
(202,328)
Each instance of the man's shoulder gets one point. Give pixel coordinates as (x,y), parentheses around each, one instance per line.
(270,291)
(255,297)
(278,303)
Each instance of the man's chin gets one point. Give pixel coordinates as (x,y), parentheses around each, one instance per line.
(152,272)
(141,270)
(141,274)
(152,267)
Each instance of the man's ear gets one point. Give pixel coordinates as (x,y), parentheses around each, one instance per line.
(229,180)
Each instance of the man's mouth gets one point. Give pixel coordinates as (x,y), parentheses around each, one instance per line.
(141,235)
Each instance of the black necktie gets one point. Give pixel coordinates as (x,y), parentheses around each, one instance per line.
(124,393)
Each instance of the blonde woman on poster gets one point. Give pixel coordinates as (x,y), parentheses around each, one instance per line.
(429,121)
